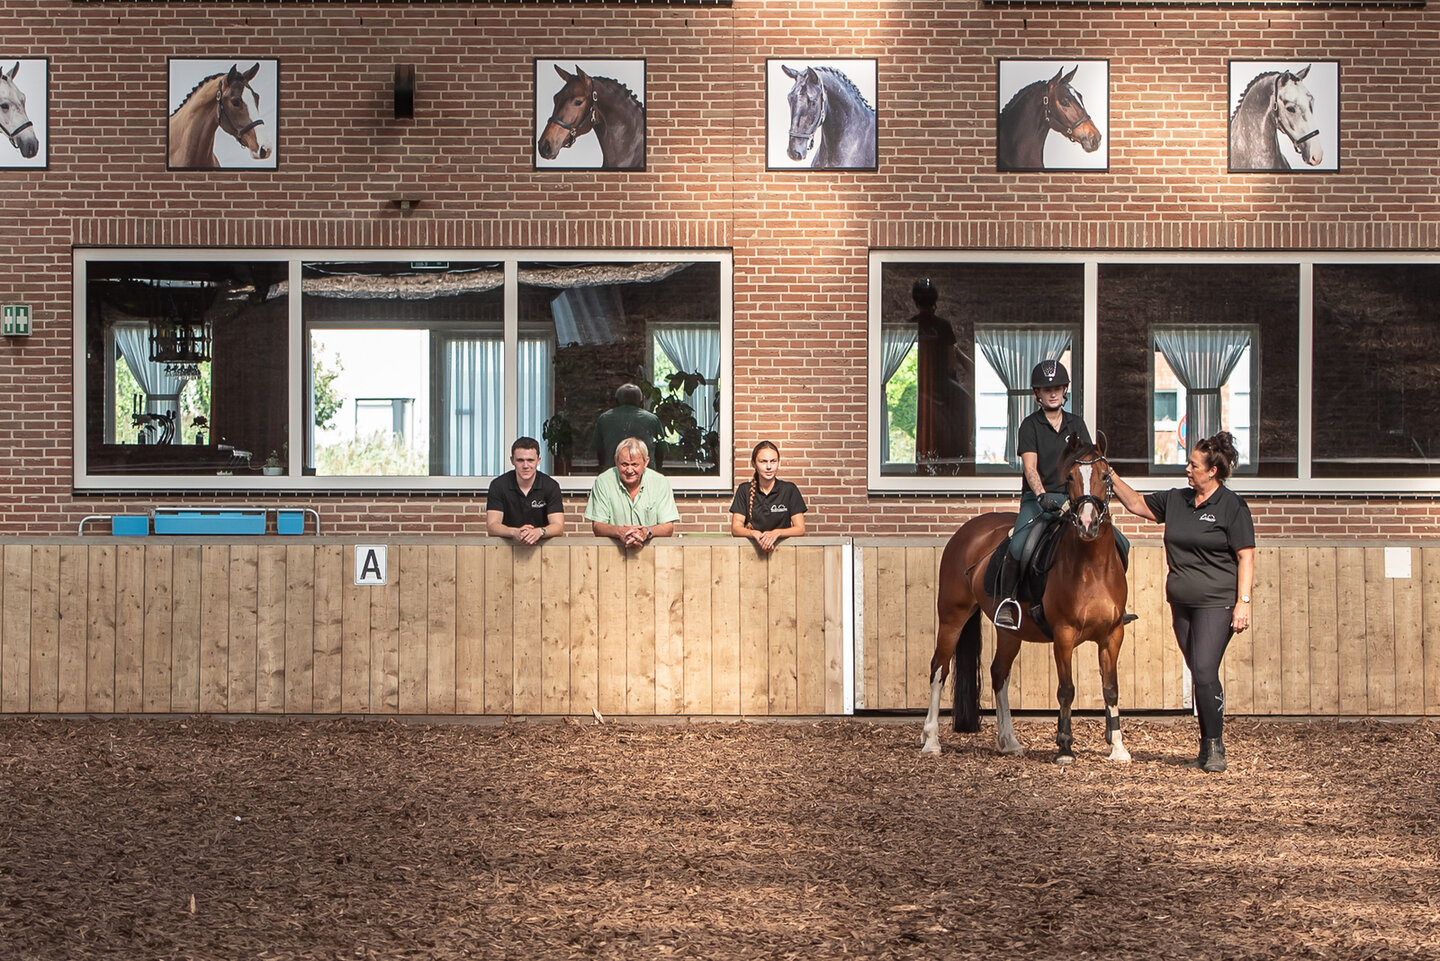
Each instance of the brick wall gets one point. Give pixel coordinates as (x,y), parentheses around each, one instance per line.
(800,240)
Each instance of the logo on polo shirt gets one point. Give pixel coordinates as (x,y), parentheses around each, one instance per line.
(1207,517)
(779,509)
(535,503)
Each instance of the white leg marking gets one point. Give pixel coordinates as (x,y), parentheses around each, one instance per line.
(1117,743)
(930,733)
(1005,740)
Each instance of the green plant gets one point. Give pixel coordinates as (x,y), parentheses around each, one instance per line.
(274,459)
(559,436)
(682,433)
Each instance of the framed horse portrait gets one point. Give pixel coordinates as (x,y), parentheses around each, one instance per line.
(589,114)
(24,113)
(1284,116)
(821,114)
(224,114)
(1052,115)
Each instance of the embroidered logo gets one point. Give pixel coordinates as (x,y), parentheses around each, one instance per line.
(535,503)
(779,509)
(1208,518)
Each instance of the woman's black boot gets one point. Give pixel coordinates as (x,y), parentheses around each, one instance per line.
(1212,749)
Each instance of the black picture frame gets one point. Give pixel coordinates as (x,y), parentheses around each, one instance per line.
(241,130)
(852,120)
(1304,138)
(1067,100)
(565,135)
(25,120)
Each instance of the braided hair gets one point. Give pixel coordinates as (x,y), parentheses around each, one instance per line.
(755,480)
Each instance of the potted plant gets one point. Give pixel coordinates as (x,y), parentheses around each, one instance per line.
(273,467)
(559,436)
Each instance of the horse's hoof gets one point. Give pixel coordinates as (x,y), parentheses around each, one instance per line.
(930,747)
(1120,757)
(1013,750)
(1064,759)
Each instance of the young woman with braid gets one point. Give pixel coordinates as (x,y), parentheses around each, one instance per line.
(765,507)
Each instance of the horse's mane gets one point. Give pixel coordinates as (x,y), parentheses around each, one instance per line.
(1021,92)
(845,79)
(1240,101)
(186,99)
(1068,460)
(633,99)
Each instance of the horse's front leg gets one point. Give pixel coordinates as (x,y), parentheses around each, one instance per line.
(1007,646)
(1110,686)
(1065,694)
(946,636)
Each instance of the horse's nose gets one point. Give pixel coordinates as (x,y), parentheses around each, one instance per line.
(546,151)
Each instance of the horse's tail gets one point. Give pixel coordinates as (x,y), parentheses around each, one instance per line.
(967,676)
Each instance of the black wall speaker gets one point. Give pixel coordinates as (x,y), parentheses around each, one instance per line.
(405,92)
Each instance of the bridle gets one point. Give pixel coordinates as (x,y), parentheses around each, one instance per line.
(1067,132)
(1101,506)
(810,134)
(12,134)
(1275,115)
(225,123)
(587,122)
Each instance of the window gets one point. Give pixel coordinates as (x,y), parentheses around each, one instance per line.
(1164,349)
(403,373)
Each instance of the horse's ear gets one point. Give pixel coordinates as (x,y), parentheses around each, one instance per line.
(13,71)
(250,74)
(1302,73)
(234,75)
(1058,74)
(1071,76)
(1100,442)
(790,71)
(563,75)
(581,73)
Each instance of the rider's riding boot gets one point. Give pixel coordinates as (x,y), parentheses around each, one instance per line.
(1204,755)
(1007,613)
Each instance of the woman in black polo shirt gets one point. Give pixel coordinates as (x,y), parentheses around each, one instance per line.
(1210,548)
(765,507)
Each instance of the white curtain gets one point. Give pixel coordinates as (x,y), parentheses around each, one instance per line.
(1203,358)
(695,350)
(474,408)
(537,394)
(1013,353)
(162,389)
(895,345)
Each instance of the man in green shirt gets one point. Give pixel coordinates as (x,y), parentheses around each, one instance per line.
(626,419)
(630,502)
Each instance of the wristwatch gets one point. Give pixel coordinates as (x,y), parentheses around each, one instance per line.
(1245,598)
(541,534)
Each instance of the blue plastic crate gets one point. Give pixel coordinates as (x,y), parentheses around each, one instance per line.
(210,522)
(289,522)
(130,525)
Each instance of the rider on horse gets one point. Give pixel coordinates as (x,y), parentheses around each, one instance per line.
(1040,442)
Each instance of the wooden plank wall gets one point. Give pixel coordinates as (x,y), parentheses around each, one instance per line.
(687,626)
(690,626)
(1332,635)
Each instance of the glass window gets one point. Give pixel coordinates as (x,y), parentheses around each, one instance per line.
(954,375)
(1376,409)
(187,371)
(411,374)
(601,326)
(1205,337)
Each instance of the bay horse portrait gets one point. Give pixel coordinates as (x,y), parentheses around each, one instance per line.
(824,102)
(1275,102)
(218,102)
(1035,111)
(602,105)
(14,121)
(1084,600)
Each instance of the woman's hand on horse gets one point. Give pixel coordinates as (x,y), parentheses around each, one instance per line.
(1052,503)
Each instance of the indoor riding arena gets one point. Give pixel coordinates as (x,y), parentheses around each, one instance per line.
(286,283)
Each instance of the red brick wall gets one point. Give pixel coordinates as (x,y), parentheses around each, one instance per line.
(800,240)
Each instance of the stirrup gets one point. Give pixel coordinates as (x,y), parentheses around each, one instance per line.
(1007,614)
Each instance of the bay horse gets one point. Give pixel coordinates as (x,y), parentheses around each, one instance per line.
(216,103)
(825,101)
(1084,600)
(1274,101)
(14,121)
(1035,110)
(601,104)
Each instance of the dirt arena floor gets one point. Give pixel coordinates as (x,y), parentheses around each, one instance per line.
(172,839)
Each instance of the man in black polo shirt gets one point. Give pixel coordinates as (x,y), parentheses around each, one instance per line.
(525,504)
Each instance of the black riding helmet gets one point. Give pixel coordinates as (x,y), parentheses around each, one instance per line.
(1049,373)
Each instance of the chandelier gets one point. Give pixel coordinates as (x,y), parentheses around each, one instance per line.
(177,340)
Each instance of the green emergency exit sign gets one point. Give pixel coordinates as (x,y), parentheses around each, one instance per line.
(16,320)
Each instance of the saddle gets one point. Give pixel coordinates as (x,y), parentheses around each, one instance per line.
(1037,556)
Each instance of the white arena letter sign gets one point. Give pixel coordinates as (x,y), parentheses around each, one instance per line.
(370,565)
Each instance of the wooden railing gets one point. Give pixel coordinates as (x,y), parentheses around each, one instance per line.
(687,626)
(1333,634)
(165,625)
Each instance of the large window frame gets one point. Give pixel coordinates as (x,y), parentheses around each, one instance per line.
(1085,369)
(298,378)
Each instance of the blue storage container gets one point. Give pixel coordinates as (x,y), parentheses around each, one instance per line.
(130,525)
(289,522)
